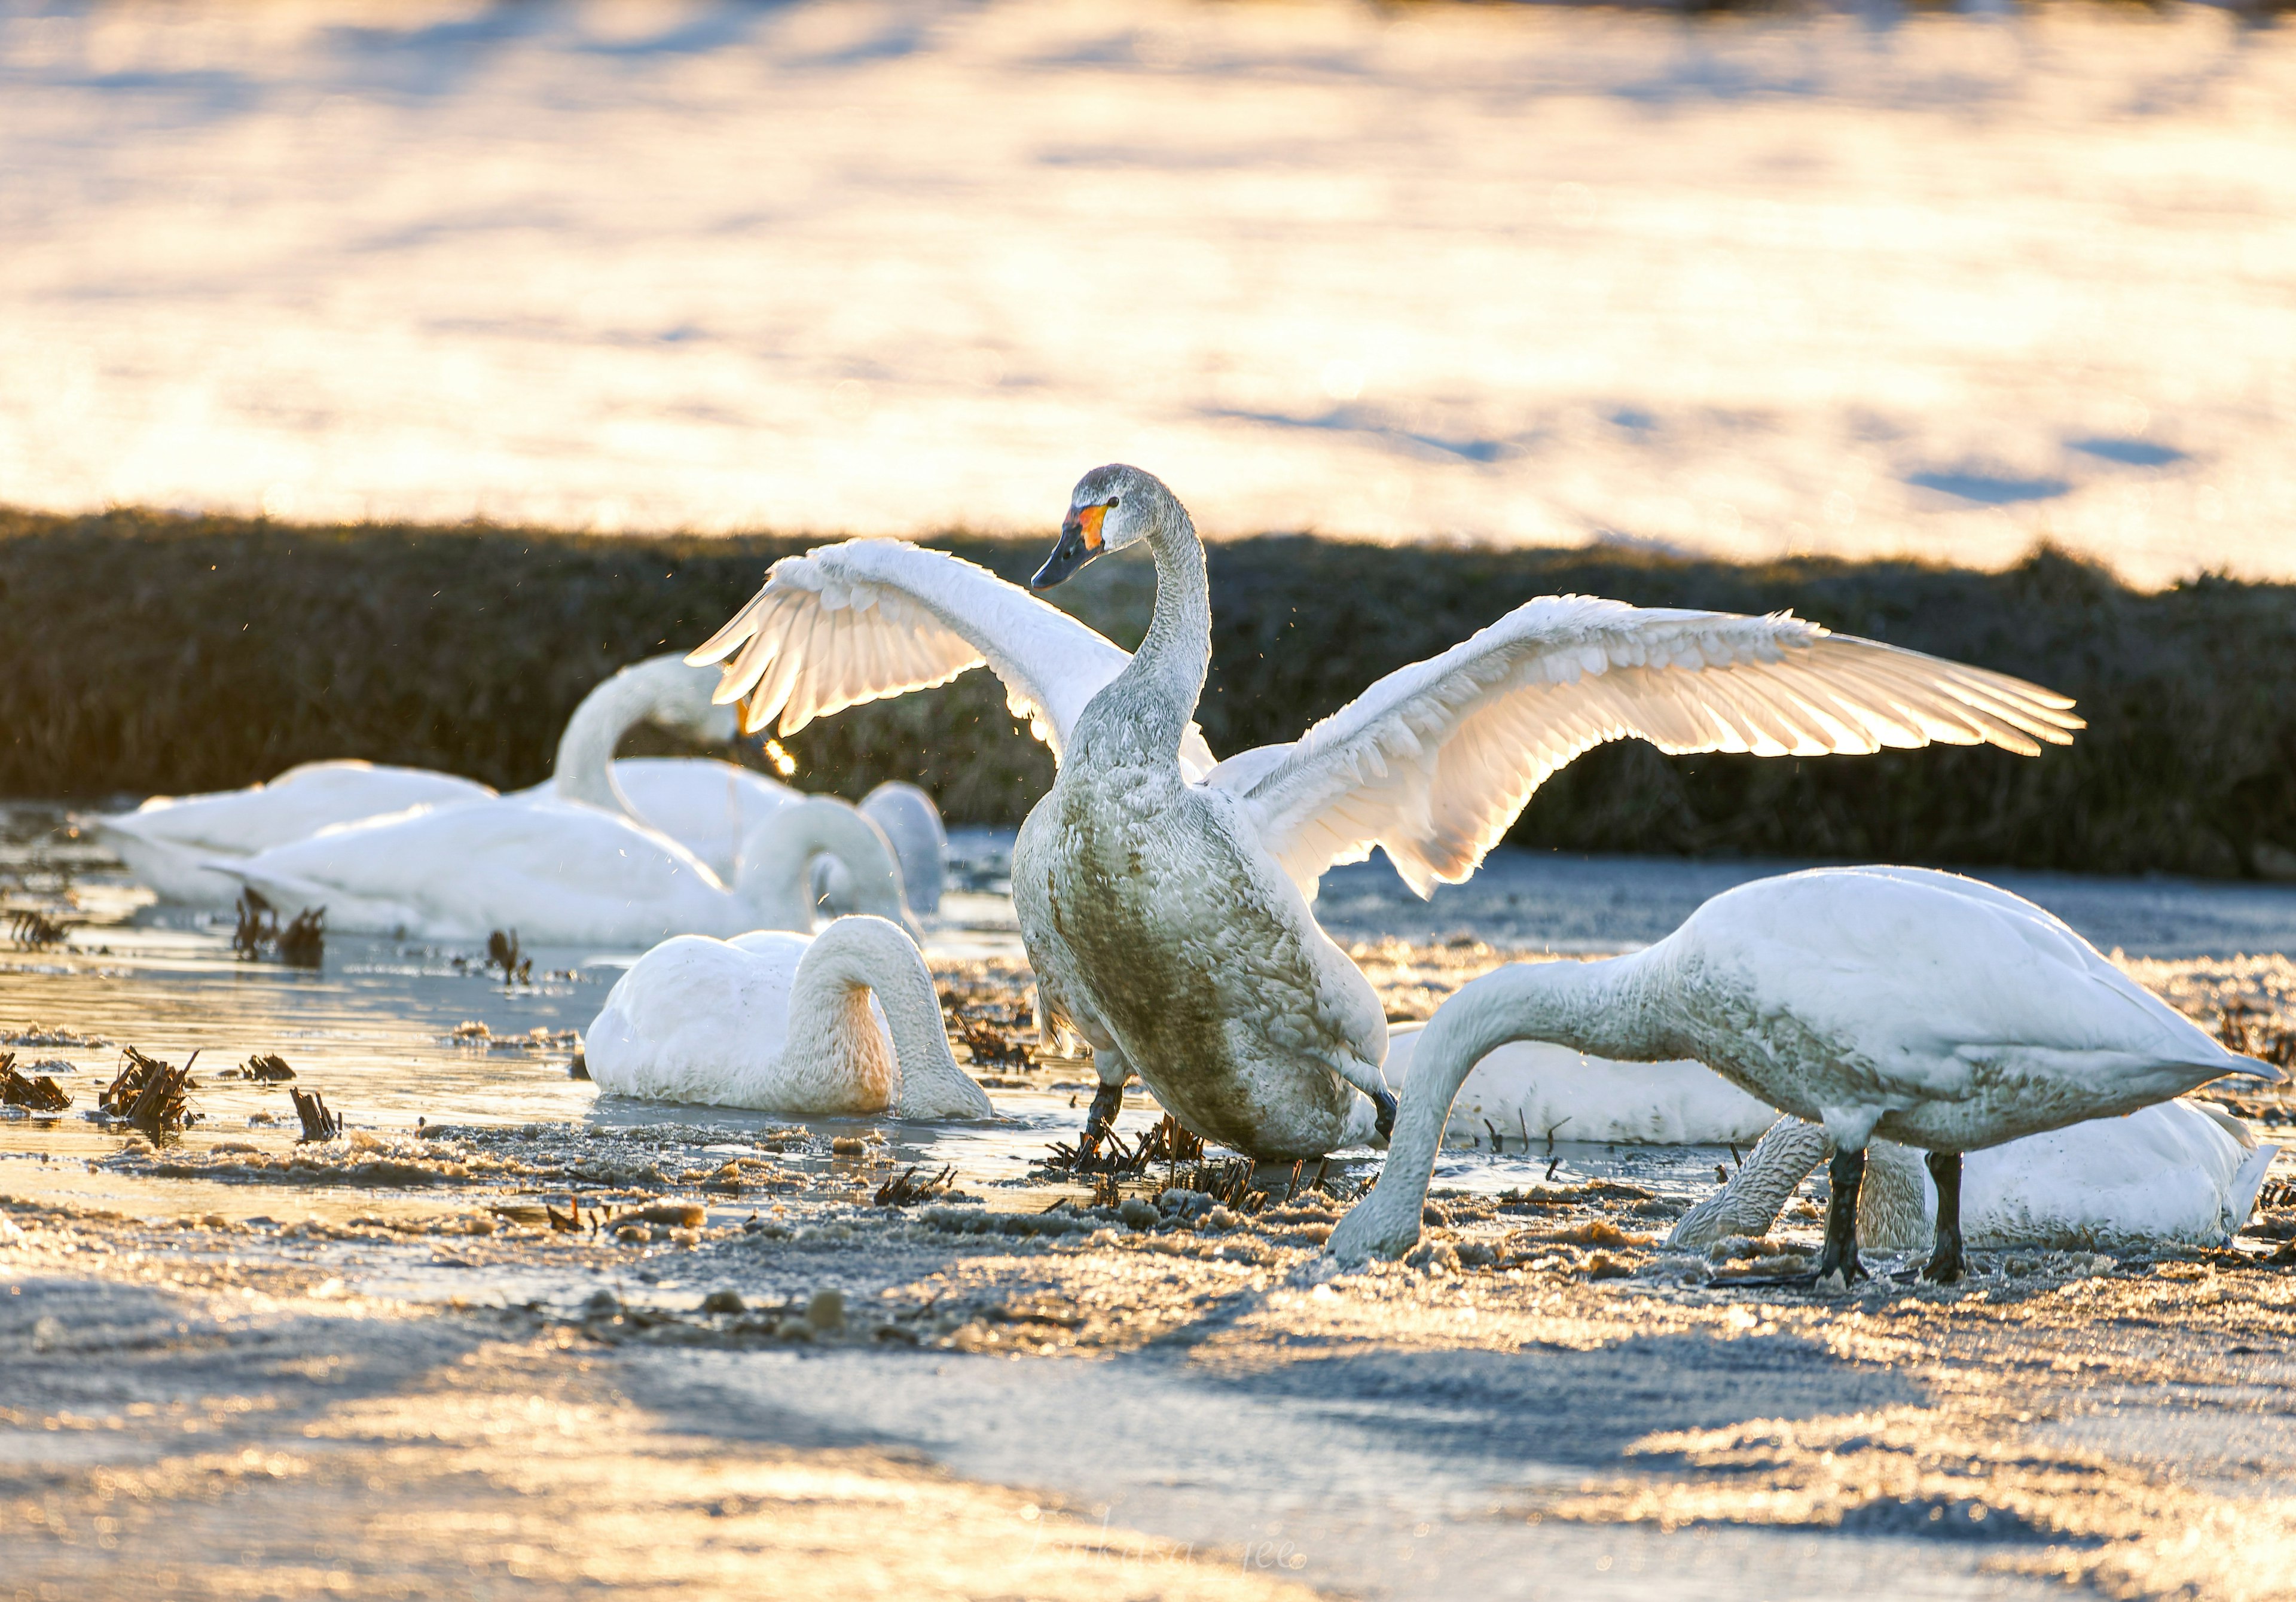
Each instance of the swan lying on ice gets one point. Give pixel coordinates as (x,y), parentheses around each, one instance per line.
(1932,1010)
(842,1023)
(565,873)
(1164,901)
(166,842)
(2177,1171)
(1526,1089)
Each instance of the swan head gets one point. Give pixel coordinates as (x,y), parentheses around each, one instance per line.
(1110,508)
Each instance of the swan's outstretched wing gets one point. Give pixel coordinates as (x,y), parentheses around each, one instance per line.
(1435,761)
(870,618)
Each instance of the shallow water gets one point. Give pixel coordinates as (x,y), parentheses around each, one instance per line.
(374,1029)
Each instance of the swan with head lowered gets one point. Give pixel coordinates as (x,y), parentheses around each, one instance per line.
(2178,1171)
(567,873)
(1164,901)
(166,839)
(840,1024)
(1932,1010)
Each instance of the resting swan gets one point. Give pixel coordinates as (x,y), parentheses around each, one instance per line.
(1164,901)
(1527,1090)
(565,873)
(1929,1009)
(165,841)
(842,1024)
(707,807)
(2178,1171)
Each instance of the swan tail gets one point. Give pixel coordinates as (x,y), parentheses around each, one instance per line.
(2254,1068)
(2247,1182)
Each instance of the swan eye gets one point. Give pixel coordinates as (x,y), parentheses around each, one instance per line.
(1112,500)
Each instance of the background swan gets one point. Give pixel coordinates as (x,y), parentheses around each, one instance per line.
(708,807)
(2178,1171)
(1164,902)
(1526,1088)
(167,841)
(1933,1010)
(843,1024)
(565,873)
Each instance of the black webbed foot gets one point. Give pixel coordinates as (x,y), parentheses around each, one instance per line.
(1839,1261)
(1946,1265)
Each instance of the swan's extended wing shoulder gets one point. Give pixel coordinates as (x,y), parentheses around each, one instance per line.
(849,623)
(1433,762)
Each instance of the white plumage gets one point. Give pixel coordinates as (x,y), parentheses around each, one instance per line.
(2177,1171)
(843,1024)
(168,841)
(565,873)
(1929,1009)
(1165,901)
(1525,1090)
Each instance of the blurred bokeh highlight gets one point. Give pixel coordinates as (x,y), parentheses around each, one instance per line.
(1742,285)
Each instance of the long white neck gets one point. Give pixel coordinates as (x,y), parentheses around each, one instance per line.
(848,961)
(1596,1008)
(1148,705)
(1750,1202)
(660,687)
(776,881)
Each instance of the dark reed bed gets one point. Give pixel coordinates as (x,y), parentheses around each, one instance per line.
(149,652)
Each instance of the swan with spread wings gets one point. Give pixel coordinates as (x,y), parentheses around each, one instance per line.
(1164,899)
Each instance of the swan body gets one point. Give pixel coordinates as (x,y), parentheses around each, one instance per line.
(707,807)
(840,1024)
(1932,1010)
(2175,1172)
(1528,1090)
(1164,899)
(168,841)
(564,873)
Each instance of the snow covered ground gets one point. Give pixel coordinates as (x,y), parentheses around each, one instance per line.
(1875,283)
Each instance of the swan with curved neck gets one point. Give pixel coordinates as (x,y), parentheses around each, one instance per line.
(2178,1171)
(1935,1011)
(840,1024)
(564,873)
(1164,899)
(166,839)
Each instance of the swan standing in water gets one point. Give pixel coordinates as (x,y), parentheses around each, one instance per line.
(2178,1171)
(1164,902)
(166,842)
(840,1024)
(1932,1010)
(566,872)
(1527,1090)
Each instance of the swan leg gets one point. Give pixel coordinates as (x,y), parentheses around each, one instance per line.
(1846,1173)
(1107,1101)
(1946,1265)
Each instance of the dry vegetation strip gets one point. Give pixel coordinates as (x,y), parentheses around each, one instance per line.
(147,652)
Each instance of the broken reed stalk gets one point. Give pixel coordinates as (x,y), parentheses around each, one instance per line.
(35,930)
(504,952)
(150,1093)
(318,1123)
(301,942)
(907,1192)
(268,1067)
(41,1095)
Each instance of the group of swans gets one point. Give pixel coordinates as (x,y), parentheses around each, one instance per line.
(604,850)
(1932,1010)
(1164,898)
